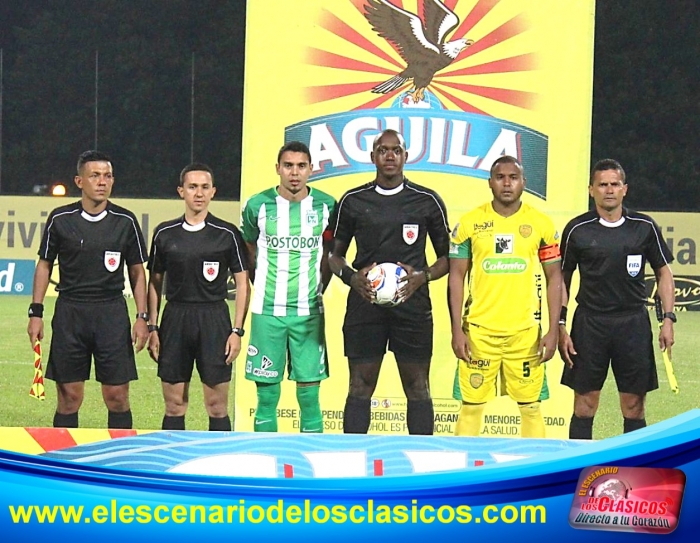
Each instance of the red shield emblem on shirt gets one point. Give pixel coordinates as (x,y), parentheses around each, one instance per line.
(210,270)
(112,260)
(410,233)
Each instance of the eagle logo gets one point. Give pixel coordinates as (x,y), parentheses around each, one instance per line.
(422,45)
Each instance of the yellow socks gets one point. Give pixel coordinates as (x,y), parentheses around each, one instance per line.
(532,423)
(469,421)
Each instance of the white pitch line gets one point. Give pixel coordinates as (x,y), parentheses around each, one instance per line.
(27,363)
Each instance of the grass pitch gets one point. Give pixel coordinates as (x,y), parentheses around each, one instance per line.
(17,372)
(19,409)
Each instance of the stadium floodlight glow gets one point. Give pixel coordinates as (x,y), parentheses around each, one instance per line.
(58,189)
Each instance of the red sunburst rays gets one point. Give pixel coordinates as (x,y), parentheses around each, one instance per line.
(381,99)
(444,82)
(478,12)
(519,63)
(450,4)
(331,23)
(318,57)
(323,93)
(522,99)
(509,29)
(464,106)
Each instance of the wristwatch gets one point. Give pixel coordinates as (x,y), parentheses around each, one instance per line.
(238,331)
(143,316)
(153,328)
(671,315)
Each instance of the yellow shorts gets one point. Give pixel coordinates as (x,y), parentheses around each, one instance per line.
(516,355)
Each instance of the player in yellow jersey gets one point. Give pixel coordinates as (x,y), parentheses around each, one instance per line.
(501,245)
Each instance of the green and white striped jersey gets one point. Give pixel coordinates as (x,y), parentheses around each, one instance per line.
(289,238)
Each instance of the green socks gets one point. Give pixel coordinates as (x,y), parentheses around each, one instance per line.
(266,413)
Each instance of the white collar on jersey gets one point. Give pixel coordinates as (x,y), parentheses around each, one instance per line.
(193,227)
(93,218)
(615,224)
(389,192)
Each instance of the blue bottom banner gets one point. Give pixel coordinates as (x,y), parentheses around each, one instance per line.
(643,482)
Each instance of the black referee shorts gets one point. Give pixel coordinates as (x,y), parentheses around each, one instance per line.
(369,328)
(190,332)
(82,330)
(623,341)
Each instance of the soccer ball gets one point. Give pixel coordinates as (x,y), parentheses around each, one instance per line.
(384,279)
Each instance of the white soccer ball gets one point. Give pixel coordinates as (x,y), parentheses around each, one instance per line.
(384,279)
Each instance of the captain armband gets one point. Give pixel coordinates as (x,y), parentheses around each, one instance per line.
(549,253)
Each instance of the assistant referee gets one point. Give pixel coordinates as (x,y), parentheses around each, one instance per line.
(196,251)
(610,246)
(93,239)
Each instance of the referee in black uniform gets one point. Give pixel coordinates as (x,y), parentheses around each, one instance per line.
(196,252)
(390,219)
(611,246)
(93,240)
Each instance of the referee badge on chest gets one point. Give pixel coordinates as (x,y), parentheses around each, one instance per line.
(210,270)
(410,233)
(112,260)
(634,265)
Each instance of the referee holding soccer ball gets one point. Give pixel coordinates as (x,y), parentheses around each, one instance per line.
(93,239)
(390,219)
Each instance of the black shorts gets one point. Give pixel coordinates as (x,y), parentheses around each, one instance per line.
(83,330)
(190,332)
(621,340)
(368,328)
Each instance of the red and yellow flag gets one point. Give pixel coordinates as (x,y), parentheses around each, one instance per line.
(37,390)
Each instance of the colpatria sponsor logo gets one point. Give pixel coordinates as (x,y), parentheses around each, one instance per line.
(504,265)
(291,242)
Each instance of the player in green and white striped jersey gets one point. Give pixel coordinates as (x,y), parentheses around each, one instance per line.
(285,229)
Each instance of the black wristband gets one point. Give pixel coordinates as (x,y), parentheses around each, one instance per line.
(562,315)
(36,310)
(153,328)
(346,274)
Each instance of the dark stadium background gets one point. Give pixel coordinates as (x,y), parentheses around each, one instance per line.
(646,110)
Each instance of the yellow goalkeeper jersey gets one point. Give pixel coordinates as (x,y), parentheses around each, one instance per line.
(505,254)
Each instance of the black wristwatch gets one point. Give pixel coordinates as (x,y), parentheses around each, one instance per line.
(153,328)
(238,331)
(671,315)
(143,316)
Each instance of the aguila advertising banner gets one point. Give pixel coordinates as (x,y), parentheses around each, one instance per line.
(464,81)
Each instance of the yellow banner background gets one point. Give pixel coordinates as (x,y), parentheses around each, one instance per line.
(284,85)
